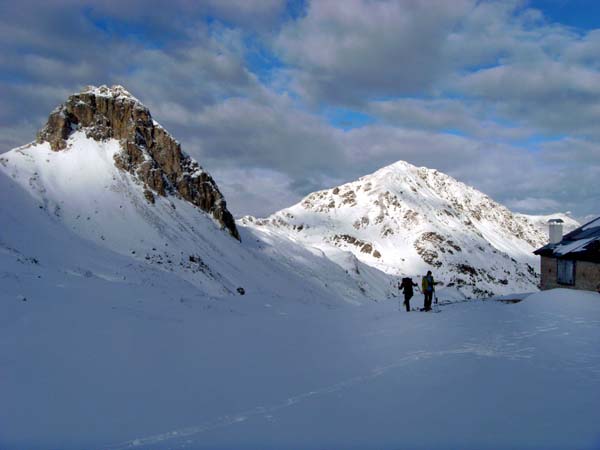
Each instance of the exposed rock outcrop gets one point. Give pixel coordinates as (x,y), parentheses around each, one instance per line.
(149,152)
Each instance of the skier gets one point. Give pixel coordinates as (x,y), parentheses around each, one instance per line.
(407,288)
(428,287)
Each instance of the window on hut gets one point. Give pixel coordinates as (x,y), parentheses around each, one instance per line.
(565,273)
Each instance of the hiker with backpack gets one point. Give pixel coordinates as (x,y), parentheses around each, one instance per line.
(428,288)
(407,288)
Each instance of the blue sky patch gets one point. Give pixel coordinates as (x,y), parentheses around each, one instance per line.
(347,119)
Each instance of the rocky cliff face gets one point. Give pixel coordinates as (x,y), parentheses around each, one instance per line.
(149,152)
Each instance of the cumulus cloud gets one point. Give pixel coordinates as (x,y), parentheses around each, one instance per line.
(572,150)
(444,114)
(203,72)
(554,97)
(531,204)
(257,192)
(272,135)
(360,49)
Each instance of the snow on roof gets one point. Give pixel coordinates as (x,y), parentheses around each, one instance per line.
(572,247)
(593,224)
(590,229)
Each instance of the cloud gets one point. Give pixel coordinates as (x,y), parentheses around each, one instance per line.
(257,14)
(551,96)
(366,49)
(21,115)
(573,151)
(443,114)
(531,204)
(257,192)
(490,62)
(149,18)
(203,72)
(271,134)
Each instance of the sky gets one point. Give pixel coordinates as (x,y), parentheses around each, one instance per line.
(277,99)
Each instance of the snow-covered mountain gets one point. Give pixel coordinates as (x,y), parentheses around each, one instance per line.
(108,178)
(405,220)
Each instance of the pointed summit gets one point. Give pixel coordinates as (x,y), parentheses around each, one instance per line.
(149,152)
(102,112)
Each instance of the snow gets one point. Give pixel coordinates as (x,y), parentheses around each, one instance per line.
(593,224)
(575,246)
(116,91)
(111,337)
(197,172)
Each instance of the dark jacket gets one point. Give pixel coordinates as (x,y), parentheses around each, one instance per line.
(407,286)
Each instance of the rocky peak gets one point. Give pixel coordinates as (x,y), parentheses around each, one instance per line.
(149,152)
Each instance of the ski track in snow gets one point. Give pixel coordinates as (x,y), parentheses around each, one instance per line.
(499,348)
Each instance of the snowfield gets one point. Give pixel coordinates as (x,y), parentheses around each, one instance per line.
(99,362)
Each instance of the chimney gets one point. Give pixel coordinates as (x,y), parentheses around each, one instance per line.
(555,230)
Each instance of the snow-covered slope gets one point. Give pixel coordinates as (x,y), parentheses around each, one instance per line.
(83,187)
(406,220)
